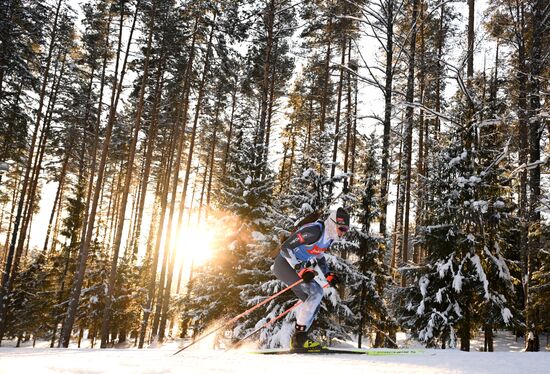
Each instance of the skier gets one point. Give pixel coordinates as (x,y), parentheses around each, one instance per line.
(299,254)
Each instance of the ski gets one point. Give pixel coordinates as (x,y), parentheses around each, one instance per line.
(353,351)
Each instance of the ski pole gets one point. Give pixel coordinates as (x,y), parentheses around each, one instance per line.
(300,302)
(269,322)
(234,319)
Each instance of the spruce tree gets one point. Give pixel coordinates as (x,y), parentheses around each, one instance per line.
(465,268)
(367,281)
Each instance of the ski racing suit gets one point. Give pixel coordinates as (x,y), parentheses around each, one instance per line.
(305,248)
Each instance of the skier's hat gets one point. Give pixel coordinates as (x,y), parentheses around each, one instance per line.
(342,217)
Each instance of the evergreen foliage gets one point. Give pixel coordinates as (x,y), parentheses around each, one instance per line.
(367,281)
(465,268)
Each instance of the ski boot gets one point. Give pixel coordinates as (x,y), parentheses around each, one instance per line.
(300,343)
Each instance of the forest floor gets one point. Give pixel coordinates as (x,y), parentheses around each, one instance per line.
(507,358)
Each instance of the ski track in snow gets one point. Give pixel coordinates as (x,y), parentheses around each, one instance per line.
(153,361)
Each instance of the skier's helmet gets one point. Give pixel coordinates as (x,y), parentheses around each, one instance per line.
(342,219)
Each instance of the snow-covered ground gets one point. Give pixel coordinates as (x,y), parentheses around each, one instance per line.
(507,359)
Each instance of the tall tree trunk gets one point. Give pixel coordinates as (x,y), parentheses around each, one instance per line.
(132,245)
(136,196)
(471,136)
(127,182)
(112,216)
(337,121)
(326,80)
(15,197)
(398,209)
(540,15)
(61,185)
(95,142)
(86,241)
(7,242)
(292,154)
(523,151)
(349,119)
(180,142)
(151,142)
(151,289)
(37,168)
(309,128)
(230,133)
(173,246)
(282,172)
(471,130)
(57,224)
(212,157)
(471,39)
(404,200)
(260,143)
(271,100)
(203,188)
(422,143)
(354,130)
(440,40)
(386,140)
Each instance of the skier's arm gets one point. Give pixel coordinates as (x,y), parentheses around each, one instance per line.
(305,235)
(331,278)
(322,263)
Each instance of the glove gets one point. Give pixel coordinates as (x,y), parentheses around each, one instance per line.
(307,274)
(332,279)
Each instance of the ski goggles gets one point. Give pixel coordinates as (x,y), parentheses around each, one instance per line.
(342,228)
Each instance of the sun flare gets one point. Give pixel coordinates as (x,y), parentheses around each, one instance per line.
(195,244)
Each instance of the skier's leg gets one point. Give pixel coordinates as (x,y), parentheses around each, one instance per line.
(285,273)
(310,307)
(310,293)
(304,318)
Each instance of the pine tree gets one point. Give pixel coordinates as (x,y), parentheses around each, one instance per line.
(465,267)
(367,282)
(30,302)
